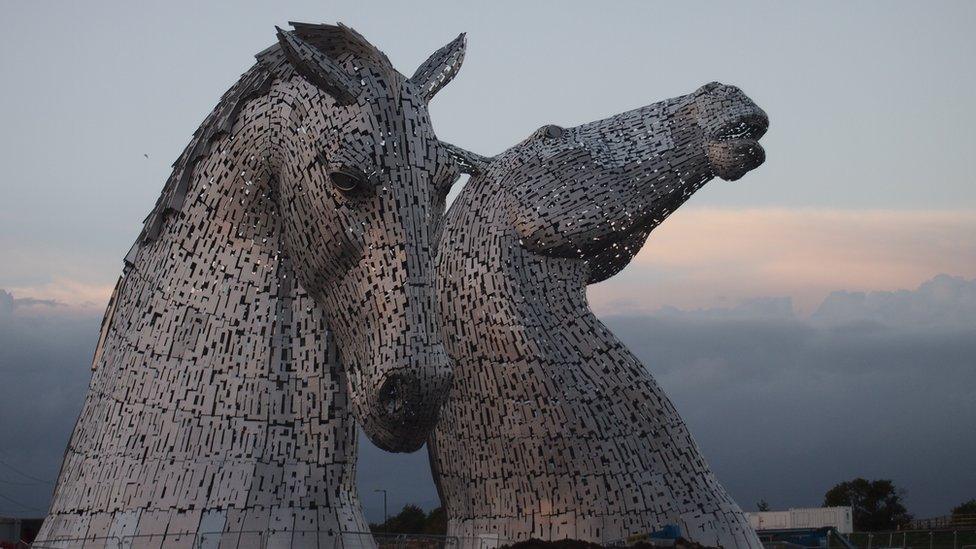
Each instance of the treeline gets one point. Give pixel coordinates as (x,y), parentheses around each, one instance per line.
(878,505)
(413,520)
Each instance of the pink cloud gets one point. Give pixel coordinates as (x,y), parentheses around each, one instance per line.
(705,257)
(711,257)
(72,296)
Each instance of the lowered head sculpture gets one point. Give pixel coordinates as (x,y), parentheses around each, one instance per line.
(361,181)
(280,290)
(554,429)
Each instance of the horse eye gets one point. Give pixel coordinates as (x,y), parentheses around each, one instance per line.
(346,180)
(554,132)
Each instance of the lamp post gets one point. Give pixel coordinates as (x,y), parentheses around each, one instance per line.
(385,516)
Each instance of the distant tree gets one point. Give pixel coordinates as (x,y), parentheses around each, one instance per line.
(876,505)
(436,522)
(410,520)
(965,508)
(762,505)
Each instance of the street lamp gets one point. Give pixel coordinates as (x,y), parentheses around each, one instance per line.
(385,516)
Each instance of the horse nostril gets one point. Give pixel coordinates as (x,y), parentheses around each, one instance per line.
(554,132)
(391,395)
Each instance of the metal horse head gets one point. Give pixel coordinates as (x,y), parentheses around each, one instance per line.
(361,182)
(595,191)
(562,209)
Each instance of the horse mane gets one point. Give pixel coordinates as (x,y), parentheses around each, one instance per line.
(336,41)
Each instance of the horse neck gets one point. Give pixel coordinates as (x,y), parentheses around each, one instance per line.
(532,299)
(215,292)
(218,254)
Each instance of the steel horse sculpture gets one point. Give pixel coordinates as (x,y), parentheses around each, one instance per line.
(554,429)
(280,290)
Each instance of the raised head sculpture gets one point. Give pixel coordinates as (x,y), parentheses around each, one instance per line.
(280,290)
(554,429)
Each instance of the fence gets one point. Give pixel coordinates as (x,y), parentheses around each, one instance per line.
(901,539)
(914,539)
(270,540)
(947,522)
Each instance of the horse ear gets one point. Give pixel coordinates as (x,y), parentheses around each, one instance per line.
(317,68)
(440,68)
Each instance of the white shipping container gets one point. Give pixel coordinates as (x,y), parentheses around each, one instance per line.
(770,520)
(841,518)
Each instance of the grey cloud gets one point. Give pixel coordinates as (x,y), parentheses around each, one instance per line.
(749,309)
(943,300)
(6,302)
(406,477)
(9,303)
(44,371)
(783,407)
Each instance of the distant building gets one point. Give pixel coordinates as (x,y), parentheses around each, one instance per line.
(840,518)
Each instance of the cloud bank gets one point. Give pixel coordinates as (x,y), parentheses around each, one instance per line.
(9,303)
(784,405)
(45,355)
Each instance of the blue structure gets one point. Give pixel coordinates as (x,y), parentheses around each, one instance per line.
(804,537)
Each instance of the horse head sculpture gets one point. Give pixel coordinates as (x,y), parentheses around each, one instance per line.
(627,173)
(361,182)
(280,290)
(585,443)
